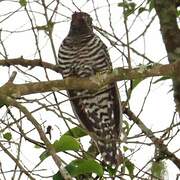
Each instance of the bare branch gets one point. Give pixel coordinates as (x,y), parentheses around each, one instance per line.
(26,62)
(164,153)
(12,77)
(50,148)
(16,161)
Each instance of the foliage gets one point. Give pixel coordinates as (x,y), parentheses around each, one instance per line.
(128,6)
(7,136)
(76,132)
(65,143)
(130,167)
(158,169)
(81,167)
(23,2)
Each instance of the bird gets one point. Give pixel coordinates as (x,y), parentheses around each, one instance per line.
(82,54)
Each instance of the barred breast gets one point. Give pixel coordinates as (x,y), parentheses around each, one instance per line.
(97,112)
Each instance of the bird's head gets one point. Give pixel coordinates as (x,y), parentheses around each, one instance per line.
(81,24)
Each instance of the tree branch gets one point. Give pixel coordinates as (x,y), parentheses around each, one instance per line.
(20,166)
(27,62)
(91,83)
(164,152)
(11,102)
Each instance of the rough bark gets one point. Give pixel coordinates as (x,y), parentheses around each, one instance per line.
(167,13)
(92,83)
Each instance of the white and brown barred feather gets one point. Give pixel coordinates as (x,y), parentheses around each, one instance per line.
(82,54)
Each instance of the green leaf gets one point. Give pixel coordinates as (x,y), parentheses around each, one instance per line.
(58,176)
(132,6)
(81,166)
(141,9)
(44,155)
(42,28)
(151,5)
(84,166)
(50,26)
(111,171)
(135,82)
(161,79)
(125,148)
(37,146)
(23,2)
(65,143)
(7,136)
(47,28)
(130,167)
(122,4)
(76,132)
(129,7)
(1,104)
(158,169)
(178,13)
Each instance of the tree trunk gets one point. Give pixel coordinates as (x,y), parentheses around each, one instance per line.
(167,13)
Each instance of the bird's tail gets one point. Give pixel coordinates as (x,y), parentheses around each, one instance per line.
(110,152)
